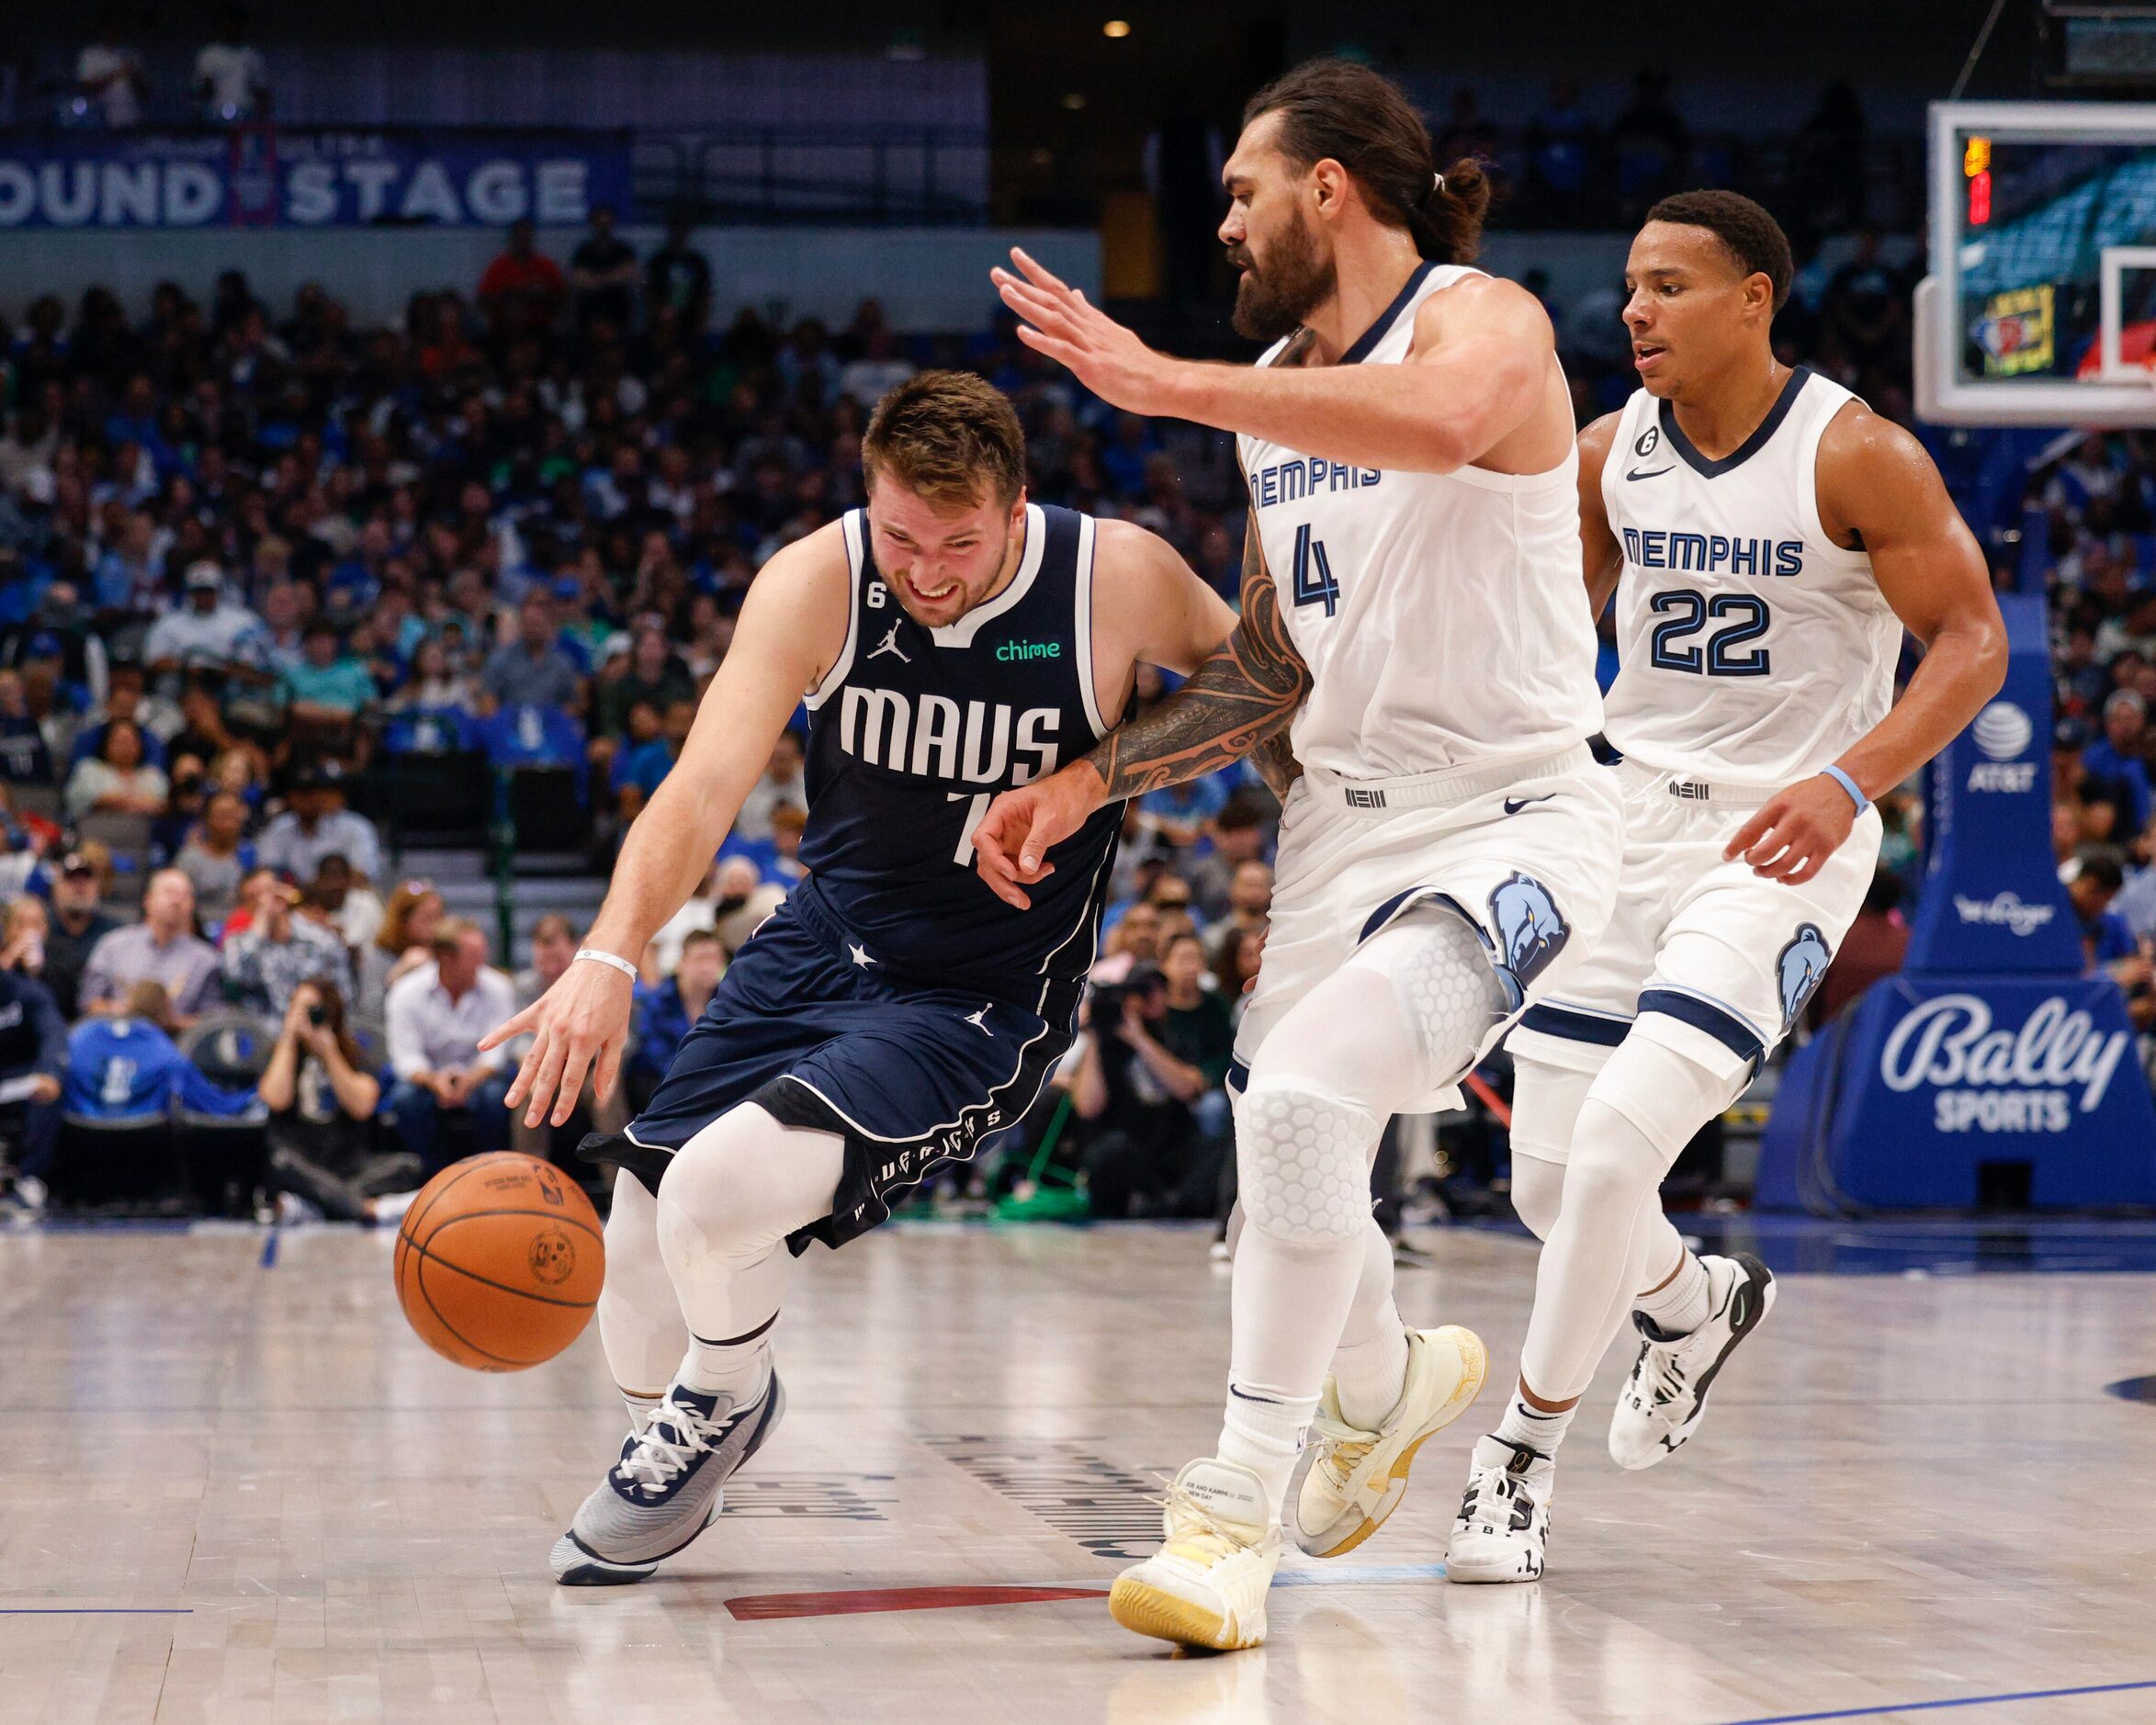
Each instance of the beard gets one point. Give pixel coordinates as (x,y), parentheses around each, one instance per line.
(1272,300)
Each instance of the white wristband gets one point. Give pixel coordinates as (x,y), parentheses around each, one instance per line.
(614,959)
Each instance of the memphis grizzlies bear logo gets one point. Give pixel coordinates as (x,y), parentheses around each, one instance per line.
(1800,967)
(1530,932)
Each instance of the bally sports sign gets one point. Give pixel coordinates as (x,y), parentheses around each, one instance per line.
(1993,1063)
(1991,1078)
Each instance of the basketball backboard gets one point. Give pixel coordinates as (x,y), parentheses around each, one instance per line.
(2040,309)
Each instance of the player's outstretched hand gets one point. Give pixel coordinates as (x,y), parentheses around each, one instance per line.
(579,1025)
(1010,845)
(1791,837)
(1061,322)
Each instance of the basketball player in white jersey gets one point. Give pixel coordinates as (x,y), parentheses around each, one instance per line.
(1768,537)
(1411,618)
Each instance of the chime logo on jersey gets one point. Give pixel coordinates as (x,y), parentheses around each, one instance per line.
(931,737)
(1802,963)
(1530,926)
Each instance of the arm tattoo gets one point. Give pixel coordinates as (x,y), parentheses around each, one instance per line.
(1276,763)
(1245,694)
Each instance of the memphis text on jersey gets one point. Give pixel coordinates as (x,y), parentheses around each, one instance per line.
(1305,475)
(931,737)
(1711,553)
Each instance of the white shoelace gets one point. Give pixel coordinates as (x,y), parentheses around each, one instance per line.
(1669,1377)
(1178,1501)
(656,1460)
(1346,1446)
(1489,1506)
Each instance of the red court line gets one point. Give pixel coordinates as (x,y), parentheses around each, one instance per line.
(761,1608)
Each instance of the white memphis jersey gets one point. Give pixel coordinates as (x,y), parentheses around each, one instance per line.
(1752,648)
(1440,614)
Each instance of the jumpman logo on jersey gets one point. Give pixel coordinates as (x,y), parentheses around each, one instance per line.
(891,645)
(860,955)
(975,1019)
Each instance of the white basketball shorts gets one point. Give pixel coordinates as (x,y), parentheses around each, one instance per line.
(1701,954)
(1525,849)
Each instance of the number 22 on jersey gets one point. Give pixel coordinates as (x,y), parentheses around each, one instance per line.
(1684,612)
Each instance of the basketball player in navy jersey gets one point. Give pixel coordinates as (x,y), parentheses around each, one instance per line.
(1768,538)
(951,641)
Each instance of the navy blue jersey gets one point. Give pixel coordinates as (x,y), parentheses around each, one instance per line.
(913,732)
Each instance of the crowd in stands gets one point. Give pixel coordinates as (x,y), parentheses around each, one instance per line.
(254,561)
(252,565)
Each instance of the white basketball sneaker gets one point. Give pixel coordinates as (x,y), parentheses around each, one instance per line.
(1357,1478)
(1664,1399)
(1502,1528)
(1206,1585)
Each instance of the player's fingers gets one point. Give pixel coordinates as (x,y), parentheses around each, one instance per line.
(546,1078)
(1783,865)
(606,1071)
(1005,889)
(1769,843)
(1063,352)
(993,837)
(528,1072)
(1035,271)
(1746,836)
(1038,837)
(573,1080)
(1030,301)
(513,1027)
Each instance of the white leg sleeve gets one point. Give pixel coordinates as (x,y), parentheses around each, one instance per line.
(640,1323)
(1610,1237)
(730,1199)
(1545,1113)
(1407,1013)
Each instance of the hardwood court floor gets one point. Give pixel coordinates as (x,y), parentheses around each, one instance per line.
(237,1490)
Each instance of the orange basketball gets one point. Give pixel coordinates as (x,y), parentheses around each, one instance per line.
(499,1262)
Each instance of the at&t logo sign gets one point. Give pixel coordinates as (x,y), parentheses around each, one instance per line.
(2003,733)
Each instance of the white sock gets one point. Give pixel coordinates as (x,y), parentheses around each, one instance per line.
(1370,1366)
(1371,1376)
(1680,1305)
(641,1407)
(736,1369)
(1538,1428)
(1263,1430)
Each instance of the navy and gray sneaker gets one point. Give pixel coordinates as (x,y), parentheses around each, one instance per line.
(1662,1402)
(666,1488)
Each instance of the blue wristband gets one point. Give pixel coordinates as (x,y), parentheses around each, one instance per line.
(1855,792)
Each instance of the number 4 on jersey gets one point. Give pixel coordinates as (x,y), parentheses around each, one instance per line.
(1314,583)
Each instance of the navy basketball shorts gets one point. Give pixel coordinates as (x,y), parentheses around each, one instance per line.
(911,1073)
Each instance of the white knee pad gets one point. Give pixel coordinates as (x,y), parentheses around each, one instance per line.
(1302,1158)
(1666,1092)
(1440,973)
(741,1185)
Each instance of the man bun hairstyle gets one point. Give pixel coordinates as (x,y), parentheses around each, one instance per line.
(1746,231)
(949,437)
(1364,121)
